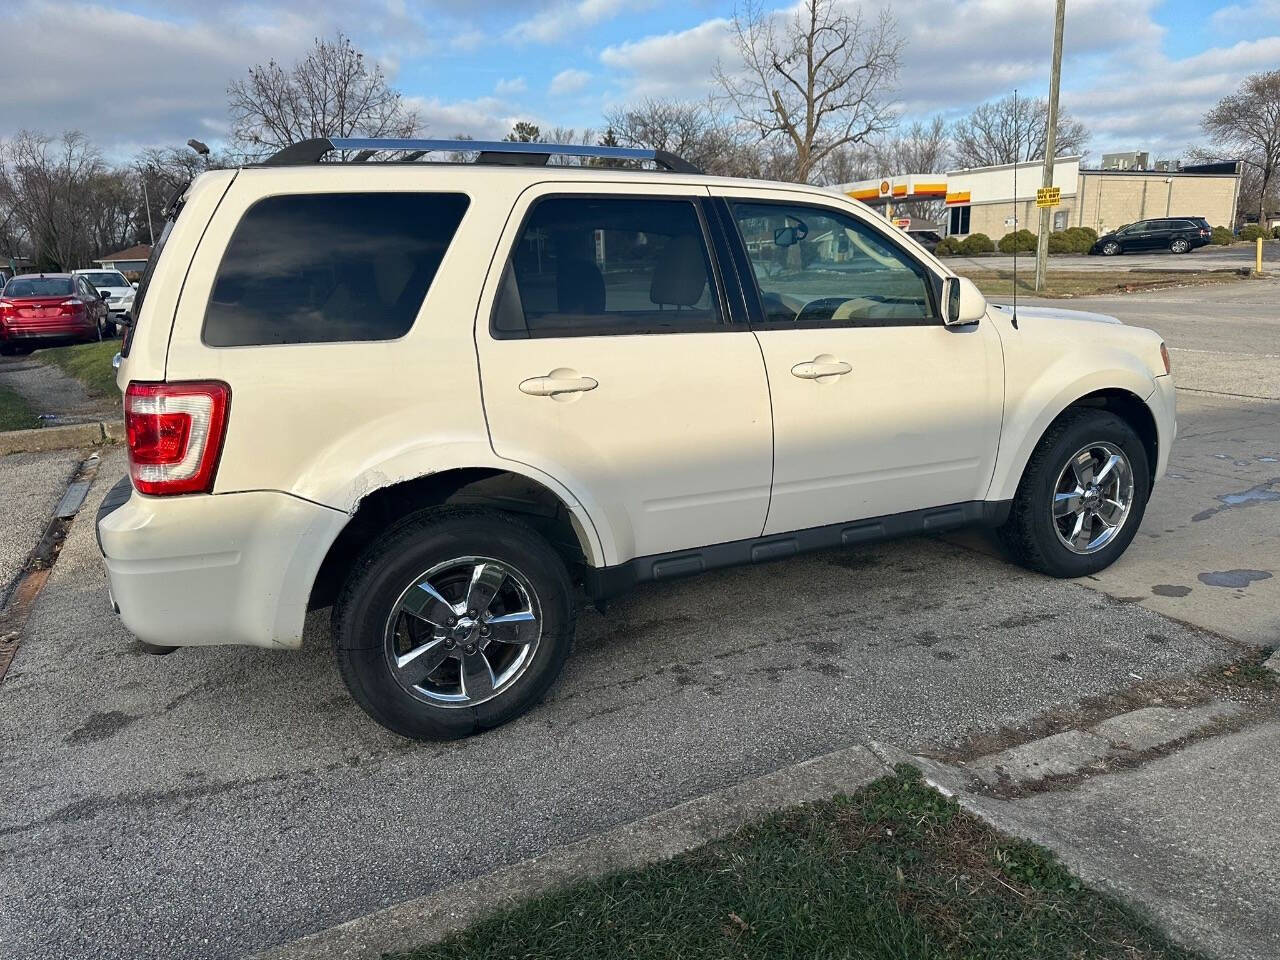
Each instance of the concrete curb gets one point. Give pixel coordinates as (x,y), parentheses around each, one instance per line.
(659,836)
(42,439)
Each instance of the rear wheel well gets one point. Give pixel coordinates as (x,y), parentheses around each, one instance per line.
(499,490)
(1130,408)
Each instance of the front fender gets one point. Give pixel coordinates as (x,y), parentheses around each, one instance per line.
(1033,406)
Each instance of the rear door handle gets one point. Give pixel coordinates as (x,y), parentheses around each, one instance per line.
(822,368)
(556,383)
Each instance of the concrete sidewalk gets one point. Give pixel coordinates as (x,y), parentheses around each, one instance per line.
(1191,838)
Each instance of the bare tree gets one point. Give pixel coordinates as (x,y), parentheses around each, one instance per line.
(818,79)
(997,133)
(46,184)
(1248,123)
(923,147)
(573,137)
(689,130)
(848,164)
(331,92)
(160,173)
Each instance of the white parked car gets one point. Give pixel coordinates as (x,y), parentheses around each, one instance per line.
(120,293)
(453,400)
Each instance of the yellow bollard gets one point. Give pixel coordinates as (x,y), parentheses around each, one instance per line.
(1258,268)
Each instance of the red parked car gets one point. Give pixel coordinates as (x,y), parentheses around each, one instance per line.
(48,309)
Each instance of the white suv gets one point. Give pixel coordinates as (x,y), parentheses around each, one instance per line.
(453,399)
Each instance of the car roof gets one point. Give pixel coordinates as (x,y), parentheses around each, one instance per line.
(42,276)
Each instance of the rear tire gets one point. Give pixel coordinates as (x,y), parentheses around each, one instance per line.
(1179,246)
(387,624)
(1050,496)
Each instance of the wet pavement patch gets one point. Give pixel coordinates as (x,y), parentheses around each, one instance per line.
(1233,578)
(1170,590)
(1262,493)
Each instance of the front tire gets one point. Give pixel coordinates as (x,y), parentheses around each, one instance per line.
(1081,498)
(453,622)
(1110,249)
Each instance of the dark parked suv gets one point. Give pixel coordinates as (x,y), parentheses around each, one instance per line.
(1175,234)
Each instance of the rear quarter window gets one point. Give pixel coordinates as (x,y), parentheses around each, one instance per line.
(324,268)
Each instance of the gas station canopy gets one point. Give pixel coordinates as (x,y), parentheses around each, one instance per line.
(886,190)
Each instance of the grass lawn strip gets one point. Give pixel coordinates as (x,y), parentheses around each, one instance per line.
(1064,283)
(894,871)
(15,413)
(90,363)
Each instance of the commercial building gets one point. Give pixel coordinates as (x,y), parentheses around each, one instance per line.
(990,199)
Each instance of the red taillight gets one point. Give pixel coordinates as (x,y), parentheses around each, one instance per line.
(7,310)
(71,307)
(175,433)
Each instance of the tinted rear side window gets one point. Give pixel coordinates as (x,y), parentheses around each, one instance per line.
(330,267)
(586,266)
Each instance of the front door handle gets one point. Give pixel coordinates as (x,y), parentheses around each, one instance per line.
(824,368)
(557,382)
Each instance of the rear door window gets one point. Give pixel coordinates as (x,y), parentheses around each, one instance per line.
(323,268)
(595,266)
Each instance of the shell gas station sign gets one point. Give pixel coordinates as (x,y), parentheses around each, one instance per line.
(886,190)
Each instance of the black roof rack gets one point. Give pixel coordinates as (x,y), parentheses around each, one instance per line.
(488,151)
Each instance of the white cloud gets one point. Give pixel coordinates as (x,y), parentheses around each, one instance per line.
(506,88)
(186,68)
(1247,15)
(483,118)
(568,81)
(567,16)
(674,64)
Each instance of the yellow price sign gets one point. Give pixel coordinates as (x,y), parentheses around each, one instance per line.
(1048,196)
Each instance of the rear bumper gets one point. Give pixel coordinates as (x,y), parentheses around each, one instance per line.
(214,569)
(20,332)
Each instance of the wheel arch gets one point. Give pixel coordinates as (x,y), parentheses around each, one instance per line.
(1121,401)
(550,512)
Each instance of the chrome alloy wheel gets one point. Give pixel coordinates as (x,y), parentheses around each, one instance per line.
(1092,498)
(463,632)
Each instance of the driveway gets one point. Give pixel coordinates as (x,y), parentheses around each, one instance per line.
(219,801)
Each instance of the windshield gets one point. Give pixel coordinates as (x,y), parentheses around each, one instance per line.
(106,278)
(39,287)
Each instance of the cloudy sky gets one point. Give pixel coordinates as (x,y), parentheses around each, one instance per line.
(133,73)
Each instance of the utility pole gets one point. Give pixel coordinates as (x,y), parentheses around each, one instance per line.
(1050,145)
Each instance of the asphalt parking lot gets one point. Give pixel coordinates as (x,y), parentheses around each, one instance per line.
(220,801)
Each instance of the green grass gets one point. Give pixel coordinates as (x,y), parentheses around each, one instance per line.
(895,871)
(1081,283)
(90,363)
(15,414)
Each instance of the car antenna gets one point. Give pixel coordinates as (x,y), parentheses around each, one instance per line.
(1017,148)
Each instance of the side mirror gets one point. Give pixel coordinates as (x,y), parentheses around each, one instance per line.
(103,295)
(962,302)
(134,285)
